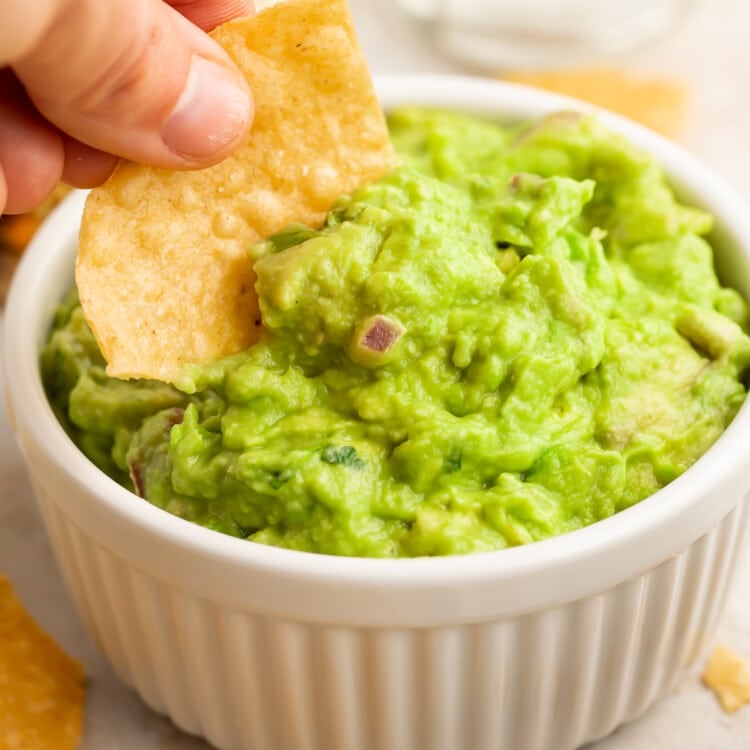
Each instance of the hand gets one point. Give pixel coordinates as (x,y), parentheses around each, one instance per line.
(83,82)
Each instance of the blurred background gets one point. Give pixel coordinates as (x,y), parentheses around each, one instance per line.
(680,64)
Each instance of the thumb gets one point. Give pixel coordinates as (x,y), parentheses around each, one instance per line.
(136,79)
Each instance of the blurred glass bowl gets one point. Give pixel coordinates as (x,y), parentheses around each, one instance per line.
(496,34)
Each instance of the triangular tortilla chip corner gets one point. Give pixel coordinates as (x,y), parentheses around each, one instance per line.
(163,271)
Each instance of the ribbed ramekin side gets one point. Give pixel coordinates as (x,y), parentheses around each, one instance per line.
(248,665)
(657,624)
(548,680)
(77,556)
(732,539)
(694,588)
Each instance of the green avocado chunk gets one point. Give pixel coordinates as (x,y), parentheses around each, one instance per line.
(516,333)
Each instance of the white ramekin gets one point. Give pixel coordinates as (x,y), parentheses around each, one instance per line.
(542,647)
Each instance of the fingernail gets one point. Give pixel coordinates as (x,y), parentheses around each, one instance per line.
(212,112)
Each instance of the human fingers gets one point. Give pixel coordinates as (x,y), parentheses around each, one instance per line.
(137,79)
(208,14)
(85,167)
(31,151)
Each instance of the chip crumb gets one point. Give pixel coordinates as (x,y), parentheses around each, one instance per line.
(659,103)
(728,675)
(42,689)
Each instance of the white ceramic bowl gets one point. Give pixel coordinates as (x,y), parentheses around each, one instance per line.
(542,647)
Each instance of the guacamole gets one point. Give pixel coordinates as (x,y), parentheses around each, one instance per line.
(516,333)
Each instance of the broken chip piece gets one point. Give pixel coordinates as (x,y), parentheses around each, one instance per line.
(41,688)
(728,675)
(163,269)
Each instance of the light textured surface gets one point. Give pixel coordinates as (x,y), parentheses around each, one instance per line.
(710,52)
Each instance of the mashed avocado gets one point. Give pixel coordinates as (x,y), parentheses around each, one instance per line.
(515,334)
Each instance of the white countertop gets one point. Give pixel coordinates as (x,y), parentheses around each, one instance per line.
(709,51)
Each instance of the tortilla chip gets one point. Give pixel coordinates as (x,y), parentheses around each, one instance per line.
(728,675)
(41,688)
(658,103)
(163,271)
